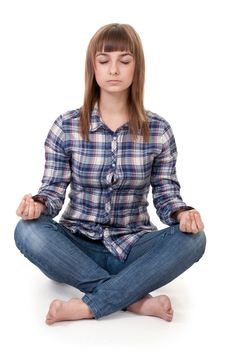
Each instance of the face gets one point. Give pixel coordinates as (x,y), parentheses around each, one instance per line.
(114,70)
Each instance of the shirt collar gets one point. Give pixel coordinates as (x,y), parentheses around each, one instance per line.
(95,118)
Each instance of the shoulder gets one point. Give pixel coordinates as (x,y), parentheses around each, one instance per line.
(66,122)
(67,118)
(158,125)
(155,120)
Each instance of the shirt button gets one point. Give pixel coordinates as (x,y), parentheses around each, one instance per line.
(115,137)
(106,232)
(113,164)
(107,207)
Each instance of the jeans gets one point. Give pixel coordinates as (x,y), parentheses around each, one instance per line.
(108,283)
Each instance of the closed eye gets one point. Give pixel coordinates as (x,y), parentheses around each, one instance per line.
(124,62)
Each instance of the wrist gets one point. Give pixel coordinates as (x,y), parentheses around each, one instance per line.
(41,206)
(178,213)
(41,202)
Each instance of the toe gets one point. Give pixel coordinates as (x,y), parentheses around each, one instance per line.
(49,319)
(51,315)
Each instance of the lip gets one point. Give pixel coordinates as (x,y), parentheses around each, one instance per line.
(113,81)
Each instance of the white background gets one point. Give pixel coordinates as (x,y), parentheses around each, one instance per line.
(43,46)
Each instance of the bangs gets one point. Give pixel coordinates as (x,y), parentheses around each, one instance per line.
(115,39)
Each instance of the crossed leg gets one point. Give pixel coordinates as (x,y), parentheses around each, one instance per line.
(76,309)
(153,269)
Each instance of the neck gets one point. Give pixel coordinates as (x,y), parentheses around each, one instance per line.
(113,104)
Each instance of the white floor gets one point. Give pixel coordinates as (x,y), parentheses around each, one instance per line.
(198,299)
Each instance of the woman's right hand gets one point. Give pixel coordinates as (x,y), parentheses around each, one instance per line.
(29,209)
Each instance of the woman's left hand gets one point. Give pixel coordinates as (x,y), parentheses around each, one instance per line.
(190,221)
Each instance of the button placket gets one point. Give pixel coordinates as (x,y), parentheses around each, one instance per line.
(111,173)
(114,151)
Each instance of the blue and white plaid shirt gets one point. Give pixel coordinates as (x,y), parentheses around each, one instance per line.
(110,177)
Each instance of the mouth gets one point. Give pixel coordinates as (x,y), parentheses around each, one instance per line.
(113,81)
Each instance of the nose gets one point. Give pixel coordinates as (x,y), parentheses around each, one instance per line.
(114,69)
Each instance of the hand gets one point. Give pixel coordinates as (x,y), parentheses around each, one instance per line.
(190,221)
(29,209)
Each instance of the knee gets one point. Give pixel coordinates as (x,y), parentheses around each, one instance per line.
(28,236)
(201,238)
(199,244)
(21,233)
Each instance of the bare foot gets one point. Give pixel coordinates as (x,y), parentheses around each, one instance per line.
(159,306)
(74,309)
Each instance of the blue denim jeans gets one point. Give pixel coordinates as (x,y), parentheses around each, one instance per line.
(108,283)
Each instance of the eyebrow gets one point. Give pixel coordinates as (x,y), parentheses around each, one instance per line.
(122,55)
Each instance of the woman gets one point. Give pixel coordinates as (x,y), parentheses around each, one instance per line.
(110,151)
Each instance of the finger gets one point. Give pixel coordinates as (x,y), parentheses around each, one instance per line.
(189,224)
(25,213)
(183,223)
(31,209)
(198,221)
(21,207)
(37,211)
(194,228)
(26,196)
(26,209)
(186,222)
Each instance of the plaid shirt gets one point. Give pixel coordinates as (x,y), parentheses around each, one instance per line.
(110,177)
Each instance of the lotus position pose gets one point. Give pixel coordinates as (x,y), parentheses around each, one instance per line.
(110,151)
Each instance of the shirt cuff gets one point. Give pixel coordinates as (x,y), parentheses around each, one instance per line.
(43,200)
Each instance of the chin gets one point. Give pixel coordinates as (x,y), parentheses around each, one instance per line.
(115,89)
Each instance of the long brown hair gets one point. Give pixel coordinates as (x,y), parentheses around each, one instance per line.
(116,37)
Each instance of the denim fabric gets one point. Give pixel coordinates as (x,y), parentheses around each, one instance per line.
(109,284)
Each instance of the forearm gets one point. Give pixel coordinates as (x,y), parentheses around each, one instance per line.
(57,172)
(169,210)
(167,200)
(165,185)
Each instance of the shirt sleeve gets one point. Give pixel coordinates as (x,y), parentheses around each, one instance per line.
(164,182)
(57,172)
